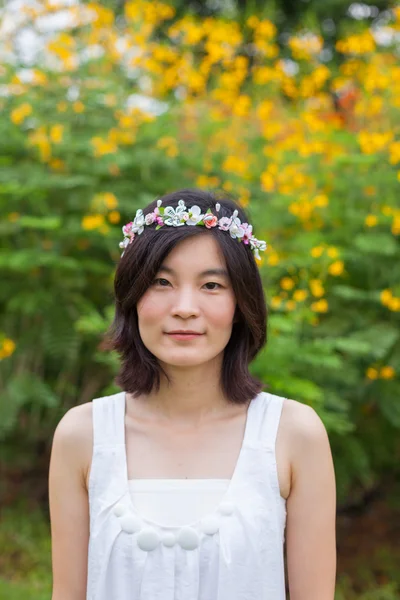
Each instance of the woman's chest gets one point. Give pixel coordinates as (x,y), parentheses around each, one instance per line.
(202,453)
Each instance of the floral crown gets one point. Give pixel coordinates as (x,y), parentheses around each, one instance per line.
(178,216)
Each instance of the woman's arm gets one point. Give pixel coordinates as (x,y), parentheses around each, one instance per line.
(69,512)
(311,509)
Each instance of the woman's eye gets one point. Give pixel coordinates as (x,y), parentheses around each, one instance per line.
(213,283)
(160,279)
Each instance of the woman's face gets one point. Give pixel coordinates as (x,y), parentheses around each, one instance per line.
(183,297)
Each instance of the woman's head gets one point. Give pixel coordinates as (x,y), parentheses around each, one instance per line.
(160,286)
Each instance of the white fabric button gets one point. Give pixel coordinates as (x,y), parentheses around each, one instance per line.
(130,523)
(148,539)
(119,509)
(169,539)
(210,525)
(226,508)
(188,538)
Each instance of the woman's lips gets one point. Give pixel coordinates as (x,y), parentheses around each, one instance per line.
(184,336)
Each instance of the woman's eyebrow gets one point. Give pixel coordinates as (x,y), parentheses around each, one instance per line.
(217,271)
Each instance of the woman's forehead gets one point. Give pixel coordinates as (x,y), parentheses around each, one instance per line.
(197,252)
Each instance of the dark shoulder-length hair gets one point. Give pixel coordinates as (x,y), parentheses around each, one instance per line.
(140,370)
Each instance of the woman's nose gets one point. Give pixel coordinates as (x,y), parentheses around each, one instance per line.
(186,302)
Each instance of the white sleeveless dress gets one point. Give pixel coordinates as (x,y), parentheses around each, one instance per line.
(233,552)
(176,501)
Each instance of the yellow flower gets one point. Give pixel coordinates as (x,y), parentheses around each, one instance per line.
(357,44)
(114,216)
(394,150)
(395,229)
(316,287)
(242,106)
(336,268)
(206,181)
(234,164)
(264,109)
(90,222)
(372,373)
(267,182)
(320,306)
(317,251)
(110,200)
(102,147)
(275,302)
(386,296)
(273,259)
(252,21)
(20,113)
(287,283)
(387,372)
(300,295)
(371,220)
(266,29)
(290,305)
(321,200)
(394,304)
(78,106)
(39,78)
(56,133)
(172,151)
(62,106)
(8,348)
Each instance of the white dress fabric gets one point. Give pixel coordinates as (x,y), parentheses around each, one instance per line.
(232,552)
(175,502)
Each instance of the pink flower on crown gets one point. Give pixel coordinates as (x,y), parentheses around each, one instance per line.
(210,221)
(159,221)
(224,223)
(127,229)
(150,218)
(248,229)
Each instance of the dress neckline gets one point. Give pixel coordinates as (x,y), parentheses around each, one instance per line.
(232,482)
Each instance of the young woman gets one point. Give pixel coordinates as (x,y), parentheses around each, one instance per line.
(192,482)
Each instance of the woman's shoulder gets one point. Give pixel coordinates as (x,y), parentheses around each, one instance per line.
(74,433)
(300,419)
(302,431)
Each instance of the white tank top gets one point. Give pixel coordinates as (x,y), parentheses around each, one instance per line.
(233,551)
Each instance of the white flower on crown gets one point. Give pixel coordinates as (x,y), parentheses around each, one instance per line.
(236,230)
(175,216)
(139,222)
(257,245)
(195,215)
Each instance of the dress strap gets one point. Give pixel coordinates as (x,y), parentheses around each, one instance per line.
(108,420)
(265,422)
